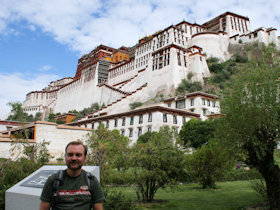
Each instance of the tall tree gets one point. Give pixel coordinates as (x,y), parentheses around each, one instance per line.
(209,163)
(17,113)
(252,117)
(156,162)
(107,148)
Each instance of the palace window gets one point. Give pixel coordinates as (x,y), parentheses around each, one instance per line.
(107,124)
(131,120)
(204,112)
(130,132)
(214,103)
(183,120)
(164,117)
(123,121)
(140,119)
(208,103)
(174,119)
(149,129)
(116,122)
(180,104)
(203,101)
(122,132)
(179,59)
(150,117)
(192,102)
(139,131)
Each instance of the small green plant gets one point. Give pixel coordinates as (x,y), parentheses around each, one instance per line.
(116,200)
(135,105)
(190,75)
(186,85)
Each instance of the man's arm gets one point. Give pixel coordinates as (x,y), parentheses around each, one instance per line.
(97,206)
(45,205)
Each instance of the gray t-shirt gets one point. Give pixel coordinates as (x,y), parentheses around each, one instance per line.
(74,193)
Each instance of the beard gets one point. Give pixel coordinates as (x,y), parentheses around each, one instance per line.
(74,165)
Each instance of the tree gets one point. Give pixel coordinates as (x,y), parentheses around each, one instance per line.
(195,132)
(252,112)
(156,163)
(17,113)
(107,148)
(209,163)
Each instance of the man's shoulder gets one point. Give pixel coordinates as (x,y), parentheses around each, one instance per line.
(52,177)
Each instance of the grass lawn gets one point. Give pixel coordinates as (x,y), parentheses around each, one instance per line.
(228,195)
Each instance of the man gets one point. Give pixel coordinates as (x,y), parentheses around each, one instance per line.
(73,192)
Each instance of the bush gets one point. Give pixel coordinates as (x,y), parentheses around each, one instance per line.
(188,86)
(12,172)
(216,68)
(135,105)
(259,186)
(241,59)
(236,175)
(114,177)
(117,201)
(209,163)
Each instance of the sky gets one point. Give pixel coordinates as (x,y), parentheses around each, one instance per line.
(42,40)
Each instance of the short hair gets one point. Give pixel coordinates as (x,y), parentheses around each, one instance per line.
(77,143)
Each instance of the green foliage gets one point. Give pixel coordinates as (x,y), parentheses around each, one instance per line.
(17,113)
(241,174)
(118,177)
(12,172)
(86,111)
(186,85)
(37,116)
(252,111)
(107,149)
(260,187)
(52,116)
(156,163)
(145,137)
(190,75)
(195,132)
(209,163)
(241,59)
(212,60)
(116,200)
(135,105)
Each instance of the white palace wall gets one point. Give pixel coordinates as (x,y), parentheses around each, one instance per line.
(213,44)
(77,95)
(59,136)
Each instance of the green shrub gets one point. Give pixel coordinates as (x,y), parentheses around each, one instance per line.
(188,86)
(117,201)
(212,60)
(114,177)
(241,59)
(12,172)
(216,68)
(259,186)
(237,175)
(135,105)
(208,163)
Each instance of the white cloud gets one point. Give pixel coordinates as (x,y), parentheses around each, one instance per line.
(14,87)
(45,68)
(84,24)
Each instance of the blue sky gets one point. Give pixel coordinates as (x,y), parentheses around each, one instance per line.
(41,40)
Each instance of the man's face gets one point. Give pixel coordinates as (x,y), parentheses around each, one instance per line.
(75,157)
